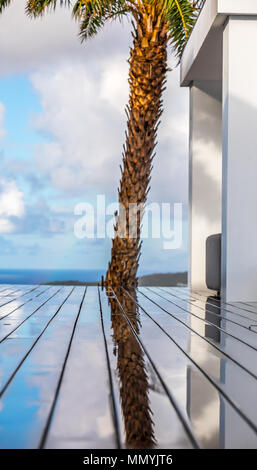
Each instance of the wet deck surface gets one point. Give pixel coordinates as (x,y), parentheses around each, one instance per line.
(160,367)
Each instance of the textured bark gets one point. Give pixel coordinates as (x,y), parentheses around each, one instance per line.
(147,73)
(133,377)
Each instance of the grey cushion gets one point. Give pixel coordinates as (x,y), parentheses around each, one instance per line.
(213,262)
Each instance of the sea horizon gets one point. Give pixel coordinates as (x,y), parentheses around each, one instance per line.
(40,276)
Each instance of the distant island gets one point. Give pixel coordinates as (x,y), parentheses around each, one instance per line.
(161,279)
(164,279)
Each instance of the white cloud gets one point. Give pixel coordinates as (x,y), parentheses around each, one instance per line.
(85,119)
(114,84)
(27,44)
(86,127)
(11,205)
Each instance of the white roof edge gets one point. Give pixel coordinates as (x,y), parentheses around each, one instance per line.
(237,7)
(213,14)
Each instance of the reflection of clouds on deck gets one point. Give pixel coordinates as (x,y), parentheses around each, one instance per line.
(92,430)
(82,417)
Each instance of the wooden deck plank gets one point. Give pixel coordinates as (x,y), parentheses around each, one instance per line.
(239,332)
(175,368)
(168,430)
(245,307)
(12,291)
(210,360)
(235,311)
(83,413)
(238,351)
(26,403)
(218,342)
(24,295)
(8,296)
(246,339)
(214,306)
(18,291)
(10,322)
(16,303)
(253,305)
(22,287)
(218,315)
(18,344)
(4,288)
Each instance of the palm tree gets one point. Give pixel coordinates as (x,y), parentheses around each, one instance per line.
(155,24)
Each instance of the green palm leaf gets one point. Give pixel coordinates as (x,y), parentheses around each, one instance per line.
(4,4)
(180,15)
(180,30)
(38,7)
(93,14)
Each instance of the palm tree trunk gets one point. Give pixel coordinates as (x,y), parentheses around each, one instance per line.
(147,73)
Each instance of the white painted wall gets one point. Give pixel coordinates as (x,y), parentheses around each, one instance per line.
(205,168)
(235,7)
(239,198)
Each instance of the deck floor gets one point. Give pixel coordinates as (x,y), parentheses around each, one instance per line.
(162,367)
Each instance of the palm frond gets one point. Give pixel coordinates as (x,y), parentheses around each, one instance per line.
(199,3)
(37,7)
(181,16)
(4,4)
(93,14)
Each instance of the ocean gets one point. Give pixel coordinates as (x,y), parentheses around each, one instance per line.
(38,276)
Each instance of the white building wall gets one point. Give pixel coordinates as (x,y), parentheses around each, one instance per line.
(205,169)
(239,199)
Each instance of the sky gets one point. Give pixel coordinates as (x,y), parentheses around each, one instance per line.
(62,127)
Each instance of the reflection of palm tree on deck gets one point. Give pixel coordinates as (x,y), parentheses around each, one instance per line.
(133,377)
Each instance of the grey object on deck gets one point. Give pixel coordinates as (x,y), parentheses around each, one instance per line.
(213,262)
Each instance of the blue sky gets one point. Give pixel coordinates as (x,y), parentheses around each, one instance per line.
(62,126)
(21,104)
